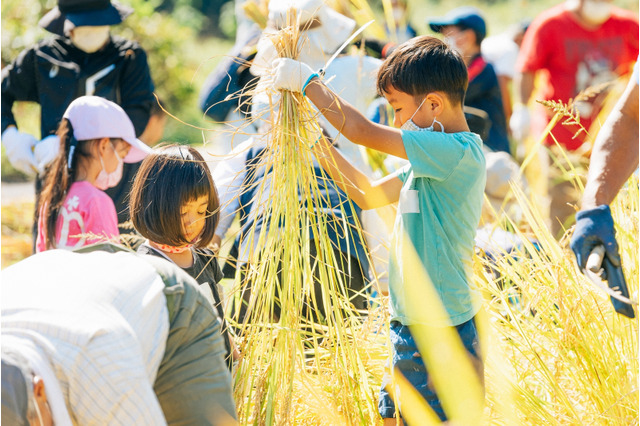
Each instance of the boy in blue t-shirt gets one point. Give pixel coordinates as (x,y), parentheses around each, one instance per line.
(439,193)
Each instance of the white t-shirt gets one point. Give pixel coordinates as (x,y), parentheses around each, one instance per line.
(501,52)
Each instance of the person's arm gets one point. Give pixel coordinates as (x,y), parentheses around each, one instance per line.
(523,83)
(18,84)
(292,75)
(520,120)
(136,89)
(615,151)
(352,123)
(357,185)
(504,82)
(614,158)
(228,177)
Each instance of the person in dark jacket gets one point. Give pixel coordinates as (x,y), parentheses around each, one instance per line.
(82,58)
(464,29)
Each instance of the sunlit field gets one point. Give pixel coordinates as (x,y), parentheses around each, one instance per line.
(555,352)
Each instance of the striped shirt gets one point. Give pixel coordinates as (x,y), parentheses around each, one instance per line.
(100,321)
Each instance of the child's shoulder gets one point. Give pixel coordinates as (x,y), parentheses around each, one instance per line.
(86,192)
(466,137)
(443,140)
(204,252)
(84,188)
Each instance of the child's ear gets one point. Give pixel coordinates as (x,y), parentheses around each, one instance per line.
(103,144)
(435,103)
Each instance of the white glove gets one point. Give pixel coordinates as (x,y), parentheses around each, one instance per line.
(46,151)
(19,149)
(520,122)
(289,74)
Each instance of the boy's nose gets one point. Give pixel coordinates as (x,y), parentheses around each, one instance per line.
(396,121)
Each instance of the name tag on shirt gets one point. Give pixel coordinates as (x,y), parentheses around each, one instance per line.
(408,202)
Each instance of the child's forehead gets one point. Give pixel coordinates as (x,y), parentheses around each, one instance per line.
(196,202)
(392,95)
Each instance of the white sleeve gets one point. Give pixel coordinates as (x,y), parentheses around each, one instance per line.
(228,177)
(370,67)
(502,54)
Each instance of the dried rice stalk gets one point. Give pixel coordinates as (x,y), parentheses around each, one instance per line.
(284,355)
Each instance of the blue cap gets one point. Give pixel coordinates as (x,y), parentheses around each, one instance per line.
(78,13)
(466,17)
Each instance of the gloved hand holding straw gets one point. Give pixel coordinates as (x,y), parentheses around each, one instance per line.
(595,245)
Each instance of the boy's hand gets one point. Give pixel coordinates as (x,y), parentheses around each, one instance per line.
(292,75)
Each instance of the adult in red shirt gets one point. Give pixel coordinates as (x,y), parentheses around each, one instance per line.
(570,47)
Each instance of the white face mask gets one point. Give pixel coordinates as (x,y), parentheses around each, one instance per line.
(411,126)
(596,11)
(90,39)
(109,180)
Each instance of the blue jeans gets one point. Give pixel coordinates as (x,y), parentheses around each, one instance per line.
(413,369)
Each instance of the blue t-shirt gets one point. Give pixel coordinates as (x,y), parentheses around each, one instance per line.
(438,213)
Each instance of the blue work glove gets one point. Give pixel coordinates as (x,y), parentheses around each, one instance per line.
(594,227)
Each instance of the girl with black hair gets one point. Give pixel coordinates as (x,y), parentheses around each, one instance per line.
(174,204)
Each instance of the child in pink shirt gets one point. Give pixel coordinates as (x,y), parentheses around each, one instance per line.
(96,138)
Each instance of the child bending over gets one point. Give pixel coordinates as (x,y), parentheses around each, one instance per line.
(439,193)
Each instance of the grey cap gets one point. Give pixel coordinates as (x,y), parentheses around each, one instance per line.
(15,397)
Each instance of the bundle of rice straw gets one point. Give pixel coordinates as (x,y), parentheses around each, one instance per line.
(301,362)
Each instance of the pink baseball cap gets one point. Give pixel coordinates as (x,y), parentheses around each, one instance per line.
(93,117)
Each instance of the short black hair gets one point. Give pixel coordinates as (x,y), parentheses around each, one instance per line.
(168,178)
(424,64)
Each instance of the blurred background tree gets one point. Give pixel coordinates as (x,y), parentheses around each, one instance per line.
(180,52)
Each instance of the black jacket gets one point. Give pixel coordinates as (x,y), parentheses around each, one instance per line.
(484,93)
(54,72)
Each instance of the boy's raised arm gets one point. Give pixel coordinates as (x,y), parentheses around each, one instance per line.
(296,76)
(358,186)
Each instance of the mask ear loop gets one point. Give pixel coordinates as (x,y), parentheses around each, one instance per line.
(35,403)
(435,121)
(417,109)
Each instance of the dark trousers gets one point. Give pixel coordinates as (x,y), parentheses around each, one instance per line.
(350,272)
